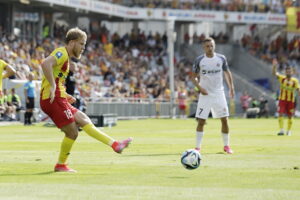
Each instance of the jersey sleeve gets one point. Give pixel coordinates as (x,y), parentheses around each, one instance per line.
(196,65)
(225,66)
(26,86)
(280,77)
(59,56)
(3,64)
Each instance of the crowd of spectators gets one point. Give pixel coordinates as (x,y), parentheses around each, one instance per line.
(220,38)
(10,105)
(131,66)
(287,52)
(274,6)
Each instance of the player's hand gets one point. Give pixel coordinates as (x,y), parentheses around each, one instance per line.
(27,100)
(231,93)
(52,93)
(203,91)
(71,99)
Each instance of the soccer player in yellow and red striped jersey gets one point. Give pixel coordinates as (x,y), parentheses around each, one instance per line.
(287,96)
(56,103)
(5,71)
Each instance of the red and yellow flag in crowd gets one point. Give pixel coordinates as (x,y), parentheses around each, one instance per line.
(293,19)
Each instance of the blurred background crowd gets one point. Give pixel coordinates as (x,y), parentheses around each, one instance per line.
(134,66)
(274,6)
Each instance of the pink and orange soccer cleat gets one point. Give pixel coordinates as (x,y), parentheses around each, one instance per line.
(119,146)
(228,150)
(63,168)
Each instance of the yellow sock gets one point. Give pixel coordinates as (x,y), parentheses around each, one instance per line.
(65,149)
(290,123)
(280,120)
(92,131)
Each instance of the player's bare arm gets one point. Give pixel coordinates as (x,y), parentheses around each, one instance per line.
(274,67)
(195,81)
(229,81)
(9,71)
(47,67)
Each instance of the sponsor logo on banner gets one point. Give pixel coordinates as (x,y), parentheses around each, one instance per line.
(277,19)
(239,17)
(180,14)
(255,18)
(225,16)
(204,16)
(80,3)
(104,7)
(132,13)
(261,18)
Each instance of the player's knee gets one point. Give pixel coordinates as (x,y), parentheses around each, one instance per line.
(70,131)
(224,120)
(72,134)
(201,123)
(82,119)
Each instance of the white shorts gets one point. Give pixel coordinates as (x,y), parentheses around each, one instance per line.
(217,104)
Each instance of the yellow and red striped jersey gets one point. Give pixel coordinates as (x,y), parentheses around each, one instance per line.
(287,88)
(3,64)
(60,73)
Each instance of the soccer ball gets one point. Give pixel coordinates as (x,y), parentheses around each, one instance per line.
(191,159)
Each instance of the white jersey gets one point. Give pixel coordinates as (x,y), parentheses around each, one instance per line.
(211,72)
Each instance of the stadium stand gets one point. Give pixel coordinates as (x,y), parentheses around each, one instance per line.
(134,66)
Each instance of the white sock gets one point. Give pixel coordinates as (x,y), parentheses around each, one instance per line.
(225,139)
(199,136)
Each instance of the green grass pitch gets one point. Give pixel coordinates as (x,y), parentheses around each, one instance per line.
(264,166)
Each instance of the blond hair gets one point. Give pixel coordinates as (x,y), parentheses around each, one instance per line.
(75,34)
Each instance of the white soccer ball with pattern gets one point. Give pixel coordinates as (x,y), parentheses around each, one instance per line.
(191,159)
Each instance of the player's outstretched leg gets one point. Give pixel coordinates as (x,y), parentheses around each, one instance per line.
(86,124)
(118,146)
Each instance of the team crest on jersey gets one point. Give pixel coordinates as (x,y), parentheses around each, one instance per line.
(58,54)
(218,65)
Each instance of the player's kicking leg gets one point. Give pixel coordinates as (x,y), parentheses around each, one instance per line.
(84,121)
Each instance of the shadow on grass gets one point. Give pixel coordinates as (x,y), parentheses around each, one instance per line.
(37,174)
(166,154)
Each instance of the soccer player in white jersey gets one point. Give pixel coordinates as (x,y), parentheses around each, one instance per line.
(209,68)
